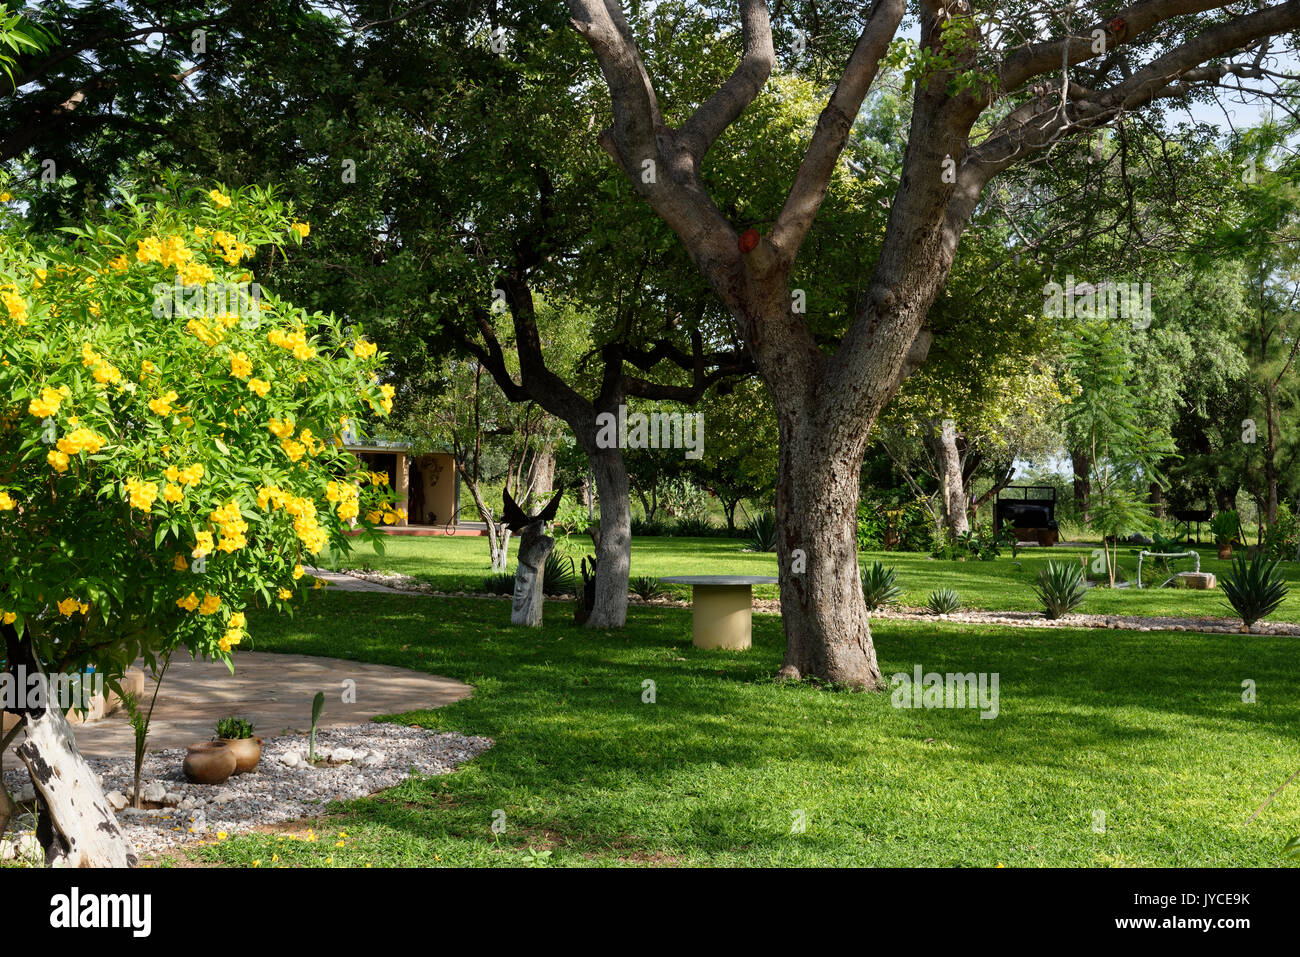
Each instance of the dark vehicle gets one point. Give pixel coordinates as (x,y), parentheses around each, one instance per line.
(1033,516)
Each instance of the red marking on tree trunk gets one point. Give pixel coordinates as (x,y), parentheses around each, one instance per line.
(748,240)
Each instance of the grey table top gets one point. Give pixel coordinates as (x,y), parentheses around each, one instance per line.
(721,580)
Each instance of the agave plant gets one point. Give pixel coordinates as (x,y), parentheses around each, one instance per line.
(646,587)
(943,601)
(558,577)
(879,587)
(499,584)
(1254,590)
(1060,588)
(762,532)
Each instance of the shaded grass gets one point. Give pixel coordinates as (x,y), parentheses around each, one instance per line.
(1148,728)
(461,564)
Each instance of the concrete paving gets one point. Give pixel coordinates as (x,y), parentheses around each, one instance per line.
(273,691)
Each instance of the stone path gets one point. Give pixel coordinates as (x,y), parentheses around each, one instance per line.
(337,581)
(273,691)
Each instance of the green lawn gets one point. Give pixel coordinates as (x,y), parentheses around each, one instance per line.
(461,564)
(1149,728)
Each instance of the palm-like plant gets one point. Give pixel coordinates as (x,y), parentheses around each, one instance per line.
(761,534)
(943,601)
(879,587)
(1060,588)
(1254,590)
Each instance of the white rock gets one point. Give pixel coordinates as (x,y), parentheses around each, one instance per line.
(172,799)
(224,796)
(187,804)
(153,792)
(291,759)
(343,754)
(30,848)
(373,759)
(7,851)
(26,794)
(116,800)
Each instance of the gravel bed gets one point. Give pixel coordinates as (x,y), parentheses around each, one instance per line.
(364,758)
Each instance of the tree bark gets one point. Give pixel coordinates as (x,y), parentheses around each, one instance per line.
(1082,466)
(614,541)
(828,632)
(941,439)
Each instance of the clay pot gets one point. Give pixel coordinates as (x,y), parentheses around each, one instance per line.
(1225,551)
(247,751)
(209,762)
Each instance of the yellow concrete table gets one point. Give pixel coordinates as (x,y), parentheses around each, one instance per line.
(722,608)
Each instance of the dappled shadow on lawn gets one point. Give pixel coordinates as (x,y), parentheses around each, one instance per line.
(724,760)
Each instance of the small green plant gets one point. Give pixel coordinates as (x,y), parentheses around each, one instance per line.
(499,584)
(234,728)
(695,526)
(140,720)
(1226,527)
(557,577)
(761,533)
(1060,588)
(647,587)
(943,601)
(532,857)
(879,587)
(317,706)
(1254,590)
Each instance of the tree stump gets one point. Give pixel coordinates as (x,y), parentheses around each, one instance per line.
(530,574)
(76,826)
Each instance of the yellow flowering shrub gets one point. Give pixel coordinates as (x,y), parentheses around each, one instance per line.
(170,447)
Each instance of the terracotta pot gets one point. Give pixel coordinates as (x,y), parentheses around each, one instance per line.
(1225,551)
(209,762)
(248,751)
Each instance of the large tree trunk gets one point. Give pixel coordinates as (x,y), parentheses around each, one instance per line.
(941,439)
(614,543)
(828,634)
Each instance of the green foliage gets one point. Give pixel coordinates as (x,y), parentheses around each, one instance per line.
(1061,588)
(167,460)
(1281,539)
(234,727)
(649,527)
(761,532)
(1254,590)
(502,583)
(879,586)
(317,706)
(696,526)
(647,587)
(980,544)
(943,601)
(1226,527)
(558,577)
(894,522)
